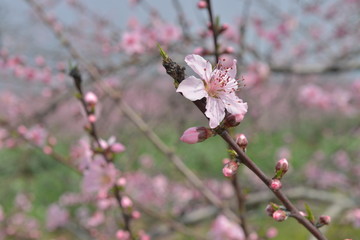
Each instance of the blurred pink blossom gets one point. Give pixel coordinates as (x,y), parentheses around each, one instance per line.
(96,219)
(223,229)
(131,43)
(99,177)
(57,216)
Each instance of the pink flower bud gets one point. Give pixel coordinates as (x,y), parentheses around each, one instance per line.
(122,235)
(324,220)
(275,184)
(91,99)
(136,214)
(47,150)
(230,169)
(233,120)
(202,4)
(271,232)
(92,118)
(196,134)
(270,209)
(126,202)
(242,141)
(22,130)
(117,148)
(121,182)
(282,165)
(279,215)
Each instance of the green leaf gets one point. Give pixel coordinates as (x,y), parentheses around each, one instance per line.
(310,216)
(279,174)
(275,206)
(162,52)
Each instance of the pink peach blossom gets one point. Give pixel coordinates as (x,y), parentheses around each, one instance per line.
(218,87)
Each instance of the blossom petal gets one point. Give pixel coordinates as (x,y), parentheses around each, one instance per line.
(232,69)
(192,88)
(215,111)
(234,105)
(200,66)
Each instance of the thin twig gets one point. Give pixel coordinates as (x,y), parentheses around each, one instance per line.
(215,29)
(75,74)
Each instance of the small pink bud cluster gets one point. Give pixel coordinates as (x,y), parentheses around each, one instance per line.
(110,147)
(91,100)
(281,167)
(196,134)
(230,168)
(278,213)
(242,141)
(271,208)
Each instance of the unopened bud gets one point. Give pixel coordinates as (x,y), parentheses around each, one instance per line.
(91,99)
(233,120)
(275,184)
(126,202)
(117,148)
(195,135)
(323,220)
(242,141)
(280,215)
(270,209)
(282,166)
(92,118)
(202,4)
(121,182)
(122,235)
(230,169)
(136,214)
